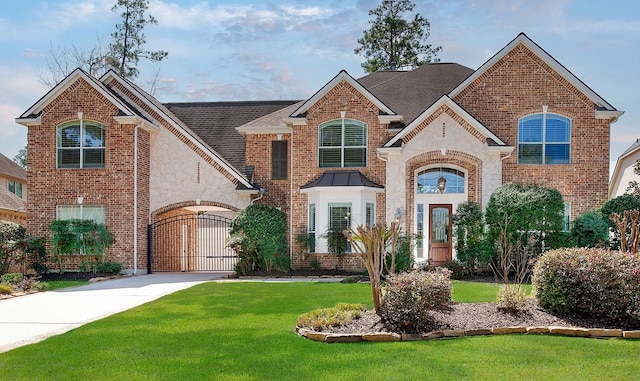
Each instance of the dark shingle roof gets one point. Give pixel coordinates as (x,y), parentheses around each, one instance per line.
(409,93)
(10,169)
(341,179)
(216,122)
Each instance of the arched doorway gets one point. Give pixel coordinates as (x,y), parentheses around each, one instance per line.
(438,191)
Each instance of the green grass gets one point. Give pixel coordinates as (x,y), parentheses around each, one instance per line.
(245,331)
(57,284)
(474,292)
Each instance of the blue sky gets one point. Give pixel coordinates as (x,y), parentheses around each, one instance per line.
(288,49)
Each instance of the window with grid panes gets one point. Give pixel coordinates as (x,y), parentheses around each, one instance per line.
(544,139)
(342,143)
(80,144)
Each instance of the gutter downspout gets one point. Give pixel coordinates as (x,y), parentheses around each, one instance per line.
(135,199)
(291,199)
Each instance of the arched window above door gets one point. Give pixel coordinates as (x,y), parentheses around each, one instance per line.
(440,180)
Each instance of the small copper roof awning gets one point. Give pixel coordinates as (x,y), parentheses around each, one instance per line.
(342,179)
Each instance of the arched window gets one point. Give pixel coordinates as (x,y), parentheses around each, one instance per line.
(80,144)
(440,180)
(342,143)
(544,139)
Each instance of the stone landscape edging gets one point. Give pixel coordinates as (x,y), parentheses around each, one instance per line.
(598,333)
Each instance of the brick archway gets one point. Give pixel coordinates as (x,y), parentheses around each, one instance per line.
(469,163)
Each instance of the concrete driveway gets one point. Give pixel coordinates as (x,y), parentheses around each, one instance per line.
(32,318)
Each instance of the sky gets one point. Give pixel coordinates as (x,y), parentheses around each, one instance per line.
(288,49)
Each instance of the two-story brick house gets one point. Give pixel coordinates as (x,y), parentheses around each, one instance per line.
(406,145)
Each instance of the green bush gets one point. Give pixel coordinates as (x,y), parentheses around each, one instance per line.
(336,316)
(5,289)
(458,271)
(404,259)
(109,267)
(259,237)
(468,225)
(411,296)
(590,282)
(511,298)
(12,278)
(10,236)
(591,230)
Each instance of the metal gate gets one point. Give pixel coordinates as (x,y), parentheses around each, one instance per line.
(190,242)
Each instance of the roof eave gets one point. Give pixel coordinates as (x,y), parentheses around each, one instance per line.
(30,121)
(611,115)
(343,188)
(264,130)
(137,121)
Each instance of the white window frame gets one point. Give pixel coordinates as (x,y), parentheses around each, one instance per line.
(343,146)
(311,227)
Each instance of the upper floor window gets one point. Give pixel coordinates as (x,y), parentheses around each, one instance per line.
(440,180)
(15,188)
(342,143)
(279,165)
(80,145)
(544,139)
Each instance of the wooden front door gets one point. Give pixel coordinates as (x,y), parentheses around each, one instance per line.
(439,233)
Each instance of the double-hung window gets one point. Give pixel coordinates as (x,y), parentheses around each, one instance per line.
(342,143)
(544,139)
(95,213)
(80,144)
(340,218)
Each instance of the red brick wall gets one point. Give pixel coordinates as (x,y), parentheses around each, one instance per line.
(519,84)
(111,186)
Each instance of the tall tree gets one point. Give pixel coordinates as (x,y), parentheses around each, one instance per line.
(21,157)
(126,49)
(393,42)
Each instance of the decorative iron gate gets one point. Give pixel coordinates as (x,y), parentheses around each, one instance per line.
(190,242)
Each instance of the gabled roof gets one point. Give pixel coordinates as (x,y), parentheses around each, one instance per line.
(10,169)
(34,111)
(216,123)
(599,102)
(342,76)
(272,123)
(342,179)
(635,147)
(172,119)
(492,139)
(10,201)
(409,93)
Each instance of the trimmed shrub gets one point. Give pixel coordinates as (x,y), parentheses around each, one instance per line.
(10,235)
(410,297)
(591,230)
(12,278)
(457,269)
(5,289)
(510,298)
(590,282)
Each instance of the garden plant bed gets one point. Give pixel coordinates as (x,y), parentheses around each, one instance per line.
(472,319)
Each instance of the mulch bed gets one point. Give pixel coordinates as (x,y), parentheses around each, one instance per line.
(470,316)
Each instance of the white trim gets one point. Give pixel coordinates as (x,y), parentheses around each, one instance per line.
(387,119)
(617,169)
(137,121)
(544,56)
(264,130)
(612,116)
(445,100)
(295,121)
(29,121)
(343,75)
(338,189)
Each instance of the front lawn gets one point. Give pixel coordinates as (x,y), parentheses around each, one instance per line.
(245,331)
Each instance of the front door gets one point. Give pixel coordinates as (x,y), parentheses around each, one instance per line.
(439,233)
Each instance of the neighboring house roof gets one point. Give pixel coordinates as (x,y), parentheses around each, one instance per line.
(342,179)
(624,161)
(216,123)
(602,108)
(10,201)
(409,93)
(10,169)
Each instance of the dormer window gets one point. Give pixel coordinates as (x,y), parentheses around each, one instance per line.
(80,144)
(342,143)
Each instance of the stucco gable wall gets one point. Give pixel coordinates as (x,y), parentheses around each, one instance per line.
(463,149)
(179,174)
(519,84)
